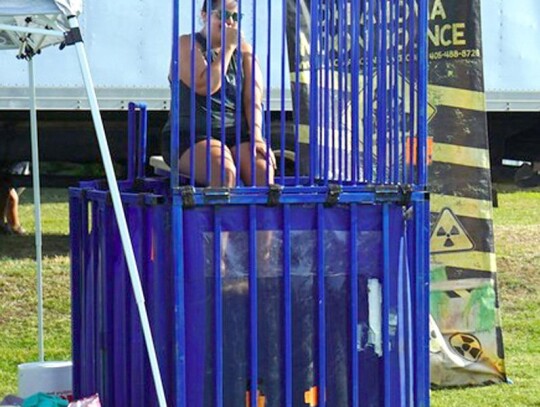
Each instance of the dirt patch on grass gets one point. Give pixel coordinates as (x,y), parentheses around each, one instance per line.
(518,261)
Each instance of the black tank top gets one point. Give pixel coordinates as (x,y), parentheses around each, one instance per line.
(233,82)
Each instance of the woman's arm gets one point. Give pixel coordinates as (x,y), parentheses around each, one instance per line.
(201,67)
(252,97)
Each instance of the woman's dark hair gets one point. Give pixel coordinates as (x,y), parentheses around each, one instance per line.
(215,3)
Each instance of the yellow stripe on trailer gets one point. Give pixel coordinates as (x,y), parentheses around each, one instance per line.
(470,260)
(303,133)
(473,208)
(458,98)
(460,155)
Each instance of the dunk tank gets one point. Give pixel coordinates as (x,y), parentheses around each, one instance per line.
(307,286)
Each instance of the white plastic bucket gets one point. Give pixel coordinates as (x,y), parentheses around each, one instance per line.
(46,377)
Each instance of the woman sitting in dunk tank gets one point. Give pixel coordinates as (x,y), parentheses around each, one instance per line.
(221,62)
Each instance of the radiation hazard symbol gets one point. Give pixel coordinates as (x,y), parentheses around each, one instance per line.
(467,346)
(449,235)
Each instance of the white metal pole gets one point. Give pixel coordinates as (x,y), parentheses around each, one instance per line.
(120,215)
(37,204)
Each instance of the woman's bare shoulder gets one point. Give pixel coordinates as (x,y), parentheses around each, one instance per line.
(246,47)
(184,42)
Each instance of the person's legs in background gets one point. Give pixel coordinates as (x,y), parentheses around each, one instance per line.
(9,209)
(11,213)
(4,193)
(9,201)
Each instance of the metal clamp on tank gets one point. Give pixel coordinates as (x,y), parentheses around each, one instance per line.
(332,198)
(188,196)
(274,194)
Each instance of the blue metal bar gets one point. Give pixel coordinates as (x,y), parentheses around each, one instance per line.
(297,93)
(267,128)
(143,135)
(328,46)
(355,377)
(179,295)
(321,308)
(253,302)
(412,89)
(110,326)
(131,141)
(390,91)
(333,94)
(77,217)
(101,379)
(421,210)
(282,91)
(355,90)
(135,335)
(222,95)
(121,338)
(401,327)
(382,93)
(208,91)
(239,111)
(387,363)
(313,67)
(177,221)
(369,40)
(218,294)
(91,306)
(347,130)
(175,103)
(287,287)
(422,91)
(341,110)
(403,110)
(395,88)
(253,70)
(409,324)
(192,100)
(320,104)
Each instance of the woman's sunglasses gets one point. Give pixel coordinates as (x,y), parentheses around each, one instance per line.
(225,15)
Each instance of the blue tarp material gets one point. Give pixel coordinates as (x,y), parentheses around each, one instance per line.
(99,277)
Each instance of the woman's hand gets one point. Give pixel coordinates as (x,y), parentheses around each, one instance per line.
(231,37)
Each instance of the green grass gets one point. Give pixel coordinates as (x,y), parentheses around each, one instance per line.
(18,293)
(517,242)
(517,237)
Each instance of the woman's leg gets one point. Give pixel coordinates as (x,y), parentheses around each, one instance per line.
(264,175)
(216,158)
(264,171)
(12,209)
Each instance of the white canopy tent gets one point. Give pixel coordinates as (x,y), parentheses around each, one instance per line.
(29,26)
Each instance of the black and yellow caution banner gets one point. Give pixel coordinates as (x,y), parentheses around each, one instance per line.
(466,341)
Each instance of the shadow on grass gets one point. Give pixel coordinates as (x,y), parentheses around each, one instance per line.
(48,196)
(23,247)
(510,188)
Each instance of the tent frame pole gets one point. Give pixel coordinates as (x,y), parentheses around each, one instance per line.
(120,215)
(37,204)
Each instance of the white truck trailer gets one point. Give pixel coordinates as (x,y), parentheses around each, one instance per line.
(129,58)
(510,33)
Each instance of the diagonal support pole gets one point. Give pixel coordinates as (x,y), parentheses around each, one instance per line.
(119,213)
